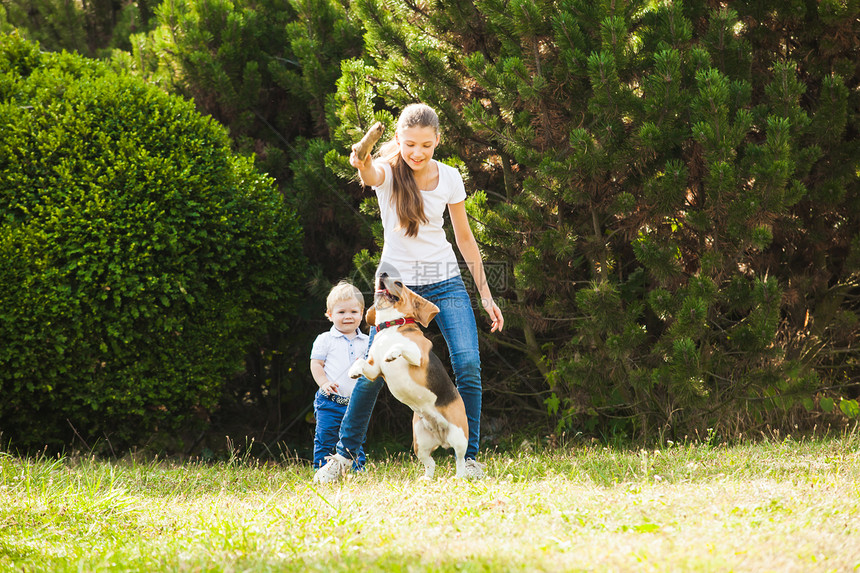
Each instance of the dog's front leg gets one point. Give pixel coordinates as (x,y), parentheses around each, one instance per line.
(408,350)
(362,367)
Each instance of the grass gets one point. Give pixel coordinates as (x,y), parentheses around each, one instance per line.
(777,505)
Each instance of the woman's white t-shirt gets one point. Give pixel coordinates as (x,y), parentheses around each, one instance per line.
(427,257)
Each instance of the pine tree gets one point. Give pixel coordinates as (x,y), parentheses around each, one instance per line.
(91,27)
(55,25)
(5,27)
(667,181)
(266,70)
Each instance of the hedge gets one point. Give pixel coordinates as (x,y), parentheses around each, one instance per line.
(139,257)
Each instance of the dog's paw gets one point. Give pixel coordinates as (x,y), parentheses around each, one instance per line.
(393,354)
(357,369)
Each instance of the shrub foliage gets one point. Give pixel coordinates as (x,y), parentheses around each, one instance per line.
(139,257)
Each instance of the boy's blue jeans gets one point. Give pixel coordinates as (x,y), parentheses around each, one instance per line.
(329,415)
(456,320)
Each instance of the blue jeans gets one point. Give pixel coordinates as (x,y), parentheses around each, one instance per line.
(329,415)
(456,320)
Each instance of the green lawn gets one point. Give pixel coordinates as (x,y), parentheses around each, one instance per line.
(789,505)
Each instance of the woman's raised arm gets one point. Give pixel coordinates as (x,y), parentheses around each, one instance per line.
(370,173)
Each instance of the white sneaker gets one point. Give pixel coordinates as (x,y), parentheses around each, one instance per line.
(474,470)
(335,468)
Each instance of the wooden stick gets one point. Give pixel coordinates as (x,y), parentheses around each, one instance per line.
(365,146)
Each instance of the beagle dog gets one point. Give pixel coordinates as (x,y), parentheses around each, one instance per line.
(403,356)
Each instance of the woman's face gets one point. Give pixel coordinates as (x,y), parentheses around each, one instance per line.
(417,145)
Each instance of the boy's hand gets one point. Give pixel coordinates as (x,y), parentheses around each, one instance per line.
(329,388)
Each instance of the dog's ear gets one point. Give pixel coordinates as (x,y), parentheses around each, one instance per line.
(370,316)
(425,310)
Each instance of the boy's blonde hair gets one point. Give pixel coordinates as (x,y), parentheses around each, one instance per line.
(343,291)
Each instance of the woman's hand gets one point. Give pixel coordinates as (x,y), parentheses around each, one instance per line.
(370,174)
(358,163)
(495,313)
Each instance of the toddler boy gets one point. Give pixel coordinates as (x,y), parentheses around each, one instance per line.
(332,354)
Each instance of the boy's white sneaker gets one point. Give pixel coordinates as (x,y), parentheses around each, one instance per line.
(335,468)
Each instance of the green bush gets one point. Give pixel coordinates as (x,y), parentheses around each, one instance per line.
(139,257)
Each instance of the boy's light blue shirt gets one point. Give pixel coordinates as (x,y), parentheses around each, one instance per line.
(338,352)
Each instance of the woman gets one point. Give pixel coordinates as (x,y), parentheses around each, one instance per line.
(413,191)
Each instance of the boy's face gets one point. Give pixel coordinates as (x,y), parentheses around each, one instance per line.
(346,316)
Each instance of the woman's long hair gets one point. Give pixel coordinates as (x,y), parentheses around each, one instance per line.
(405,196)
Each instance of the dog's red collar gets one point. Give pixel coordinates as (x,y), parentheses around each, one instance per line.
(398,322)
